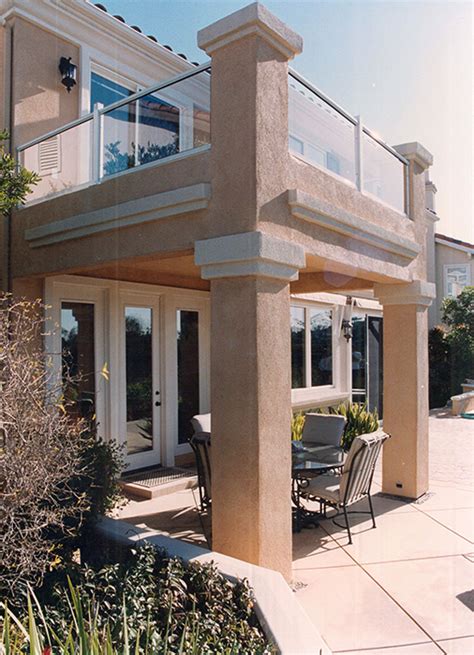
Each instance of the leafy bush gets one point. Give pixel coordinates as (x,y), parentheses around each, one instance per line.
(150,602)
(451,349)
(359,420)
(55,478)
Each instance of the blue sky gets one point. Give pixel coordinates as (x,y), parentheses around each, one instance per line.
(405,66)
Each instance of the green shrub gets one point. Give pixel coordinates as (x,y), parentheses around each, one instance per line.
(451,348)
(150,602)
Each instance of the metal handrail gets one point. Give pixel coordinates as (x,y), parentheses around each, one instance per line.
(104,110)
(306,83)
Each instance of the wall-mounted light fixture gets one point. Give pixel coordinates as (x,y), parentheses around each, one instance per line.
(346,325)
(68,72)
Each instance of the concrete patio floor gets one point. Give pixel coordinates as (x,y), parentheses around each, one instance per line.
(406,587)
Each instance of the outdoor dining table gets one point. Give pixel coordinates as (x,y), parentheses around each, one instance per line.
(310,459)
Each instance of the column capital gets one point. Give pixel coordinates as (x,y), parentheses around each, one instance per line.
(418,292)
(416,152)
(254,19)
(250,253)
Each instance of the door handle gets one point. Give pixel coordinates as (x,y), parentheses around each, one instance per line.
(157,404)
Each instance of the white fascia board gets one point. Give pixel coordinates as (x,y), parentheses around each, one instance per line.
(454,246)
(316,211)
(83,24)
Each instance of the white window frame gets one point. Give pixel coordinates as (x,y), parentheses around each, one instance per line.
(446,267)
(193,303)
(323,395)
(107,295)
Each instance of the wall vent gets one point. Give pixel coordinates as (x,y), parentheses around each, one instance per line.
(49,155)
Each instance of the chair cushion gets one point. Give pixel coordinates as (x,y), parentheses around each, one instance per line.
(325,487)
(324,428)
(201,423)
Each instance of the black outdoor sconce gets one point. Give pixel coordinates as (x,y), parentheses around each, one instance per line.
(68,72)
(346,325)
(346,330)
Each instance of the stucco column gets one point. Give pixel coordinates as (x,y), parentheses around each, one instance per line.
(405,352)
(250,50)
(251,394)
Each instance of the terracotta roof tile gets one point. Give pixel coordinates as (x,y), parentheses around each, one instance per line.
(103,8)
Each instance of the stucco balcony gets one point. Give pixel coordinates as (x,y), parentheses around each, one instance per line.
(151,157)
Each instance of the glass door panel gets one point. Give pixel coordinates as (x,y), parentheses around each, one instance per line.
(139,379)
(188,371)
(140,416)
(78,357)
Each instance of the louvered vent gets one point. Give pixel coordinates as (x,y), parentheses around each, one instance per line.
(49,155)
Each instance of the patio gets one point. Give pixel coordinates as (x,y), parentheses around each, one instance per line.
(406,587)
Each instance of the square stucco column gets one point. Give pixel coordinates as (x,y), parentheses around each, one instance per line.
(405,353)
(251,394)
(250,50)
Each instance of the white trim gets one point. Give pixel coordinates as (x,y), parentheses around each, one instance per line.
(418,292)
(249,253)
(111,296)
(83,24)
(149,299)
(59,291)
(454,246)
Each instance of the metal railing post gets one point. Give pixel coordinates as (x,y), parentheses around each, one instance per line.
(96,144)
(359,154)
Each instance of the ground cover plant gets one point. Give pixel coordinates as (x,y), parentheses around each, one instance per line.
(149,604)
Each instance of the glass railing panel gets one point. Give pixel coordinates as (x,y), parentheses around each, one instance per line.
(63,161)
(158,125)
(319,133)
(384,174)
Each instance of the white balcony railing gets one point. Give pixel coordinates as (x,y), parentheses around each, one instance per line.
(173,117)
(162,121)
(327,136)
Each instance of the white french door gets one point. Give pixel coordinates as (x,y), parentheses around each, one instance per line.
(140,388)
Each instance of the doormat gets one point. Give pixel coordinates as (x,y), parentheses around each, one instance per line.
(155,477)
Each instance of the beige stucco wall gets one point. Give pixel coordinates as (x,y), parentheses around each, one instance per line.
(41,102)
(445,254)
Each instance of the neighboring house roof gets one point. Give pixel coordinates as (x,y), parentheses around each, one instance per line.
(102,7)
(454,243)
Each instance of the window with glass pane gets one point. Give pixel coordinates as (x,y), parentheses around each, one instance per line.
(457,277)
(139,379)
(78,356)
(321,347)
(298,368)
(187,338)
(359,352)
(105,92)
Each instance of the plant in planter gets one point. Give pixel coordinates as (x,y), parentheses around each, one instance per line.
(150,603)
